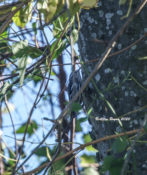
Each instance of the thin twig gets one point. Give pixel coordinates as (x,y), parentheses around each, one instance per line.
(13,126)
(83,146)
(38,63)
(97,67)
(128,154)
(53,159)
(102,59)
(37,100)
(9,18)
(28,122)
(72,115)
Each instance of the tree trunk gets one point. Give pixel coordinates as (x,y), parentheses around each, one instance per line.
(120,86)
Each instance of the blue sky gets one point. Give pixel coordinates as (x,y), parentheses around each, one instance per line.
(23,99)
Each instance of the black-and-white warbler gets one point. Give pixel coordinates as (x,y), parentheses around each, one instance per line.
(74,85)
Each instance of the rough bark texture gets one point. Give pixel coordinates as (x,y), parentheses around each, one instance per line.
(121,81)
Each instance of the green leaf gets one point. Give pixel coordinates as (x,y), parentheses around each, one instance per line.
(22,63)
(111,107)
(4,10)
(18,48)
(31,127)
(4,48)
(58,166)
(36,79)
(60,22)
(23,16)
(112,164)
(3,36)
(53,73)
(41,152)
(48,8)
(4,88)
(21,48)
(89,111)
(87,159)
(119,144)
(91,148)
(11,156)
(83,119)
(45,151)
(34,27)
(33,52)
(24,52)
(107,162)
(51,8)
(143,58)
(78,124)
(76,107)
(75,35)
(87,139)
(57,49)
(89,171)
(122,2)
(86,4)
(58,27)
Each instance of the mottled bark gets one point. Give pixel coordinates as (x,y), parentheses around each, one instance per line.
(121,82)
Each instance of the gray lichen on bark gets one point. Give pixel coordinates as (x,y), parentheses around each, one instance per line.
(120,85)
